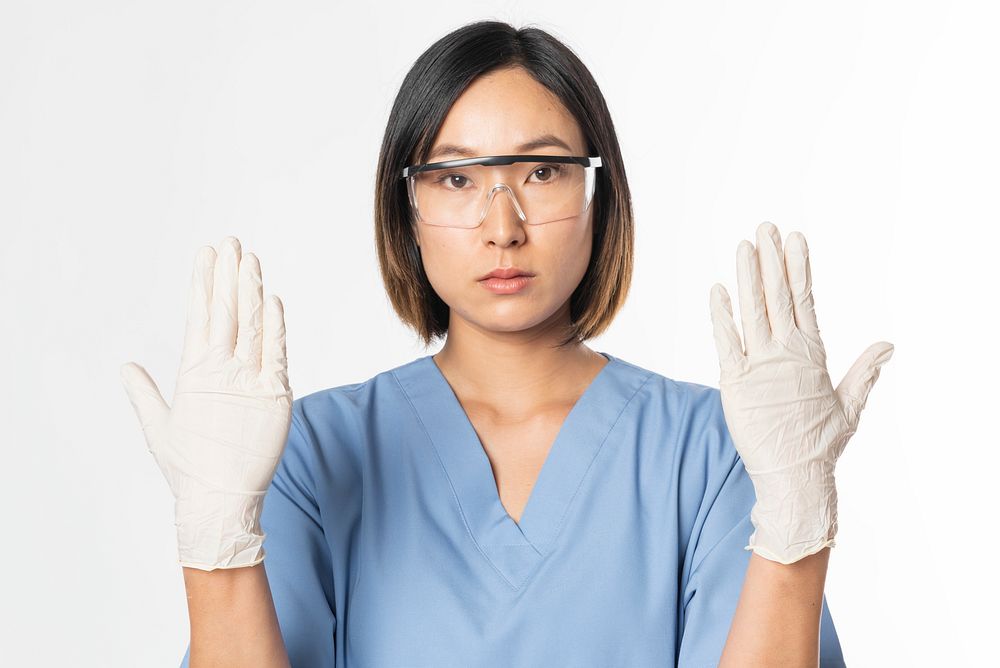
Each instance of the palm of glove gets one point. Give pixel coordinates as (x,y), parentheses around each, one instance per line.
(787,421)
(783,401)
(227,427)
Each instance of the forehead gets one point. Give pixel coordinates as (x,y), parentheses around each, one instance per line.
(504,109)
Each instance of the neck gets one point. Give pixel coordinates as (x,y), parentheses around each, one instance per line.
(516,372)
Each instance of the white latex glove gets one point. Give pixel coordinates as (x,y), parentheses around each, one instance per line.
(786,420)
(219,444)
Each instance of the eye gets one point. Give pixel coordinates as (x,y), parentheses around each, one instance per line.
(453,181)
(545,172)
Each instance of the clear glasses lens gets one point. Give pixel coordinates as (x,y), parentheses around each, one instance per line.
(542,192)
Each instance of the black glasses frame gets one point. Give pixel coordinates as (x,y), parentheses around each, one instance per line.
(586,161)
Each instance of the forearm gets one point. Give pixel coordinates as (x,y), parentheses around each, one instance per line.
(777,618)
(233,621)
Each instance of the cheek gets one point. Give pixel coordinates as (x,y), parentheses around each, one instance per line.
(444,263)
(572,257)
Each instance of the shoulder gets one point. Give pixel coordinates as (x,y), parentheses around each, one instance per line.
(331,432)
(677,397)
(333,421)
(686,416)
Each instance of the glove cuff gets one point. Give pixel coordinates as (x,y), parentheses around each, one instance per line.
(796,511)
(219,529)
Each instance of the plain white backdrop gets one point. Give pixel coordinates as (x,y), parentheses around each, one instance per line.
(132,133)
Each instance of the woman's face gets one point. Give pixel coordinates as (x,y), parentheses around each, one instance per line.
(497,113)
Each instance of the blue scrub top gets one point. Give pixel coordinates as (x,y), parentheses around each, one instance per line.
(387,544)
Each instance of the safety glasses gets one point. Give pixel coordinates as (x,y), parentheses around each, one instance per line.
(542,188)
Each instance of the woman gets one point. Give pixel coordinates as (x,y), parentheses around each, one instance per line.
(516,499)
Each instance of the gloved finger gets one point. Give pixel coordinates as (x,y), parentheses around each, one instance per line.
(777,295)
(275,362)
(222,330)
(199,302)
(853,390)
(249,337)
(756,331)
(799,271)
(146,400)
(727,337)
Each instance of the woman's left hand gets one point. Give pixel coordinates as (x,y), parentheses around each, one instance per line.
(788,423)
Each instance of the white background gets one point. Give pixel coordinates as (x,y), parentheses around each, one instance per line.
(133,133)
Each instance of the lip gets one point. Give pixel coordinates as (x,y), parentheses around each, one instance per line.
(506,272)
(506,286)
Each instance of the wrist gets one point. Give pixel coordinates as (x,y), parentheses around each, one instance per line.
(795,514)
(219,529)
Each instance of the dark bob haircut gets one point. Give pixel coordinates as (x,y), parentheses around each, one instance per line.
(436,80)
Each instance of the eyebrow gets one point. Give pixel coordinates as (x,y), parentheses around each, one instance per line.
(536,143)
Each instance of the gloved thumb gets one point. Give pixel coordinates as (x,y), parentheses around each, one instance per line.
(149,405)
(854,388)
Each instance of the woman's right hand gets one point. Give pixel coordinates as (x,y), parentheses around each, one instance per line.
(219,444)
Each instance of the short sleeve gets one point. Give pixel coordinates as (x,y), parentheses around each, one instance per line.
(713,587)
(297,557)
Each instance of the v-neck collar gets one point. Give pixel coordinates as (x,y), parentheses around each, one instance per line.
(515,549)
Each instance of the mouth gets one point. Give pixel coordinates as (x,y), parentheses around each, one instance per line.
(508,272)
(506,286)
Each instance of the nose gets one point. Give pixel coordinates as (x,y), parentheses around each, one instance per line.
(501,223)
